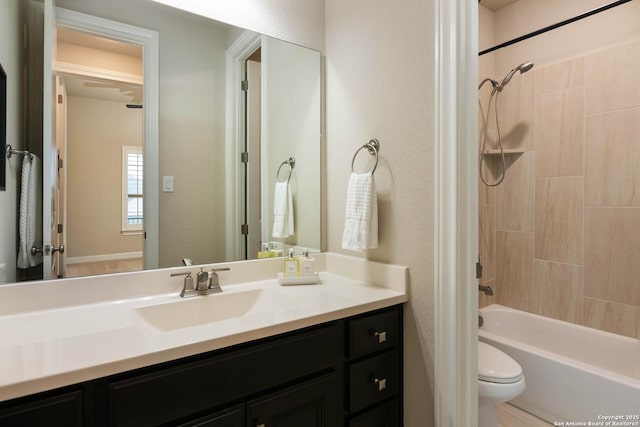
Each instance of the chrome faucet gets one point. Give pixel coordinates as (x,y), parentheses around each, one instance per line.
(207,282)
(486,289)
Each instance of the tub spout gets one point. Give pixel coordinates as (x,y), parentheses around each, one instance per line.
(486,289)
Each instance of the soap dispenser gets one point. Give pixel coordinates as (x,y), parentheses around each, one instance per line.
(291,265)
(307,268)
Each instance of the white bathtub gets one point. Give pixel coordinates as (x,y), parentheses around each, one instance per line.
(573,373)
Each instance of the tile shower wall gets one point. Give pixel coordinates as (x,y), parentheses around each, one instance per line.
(561,236)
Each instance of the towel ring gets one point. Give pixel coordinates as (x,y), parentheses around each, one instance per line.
(292,164)
(373,147)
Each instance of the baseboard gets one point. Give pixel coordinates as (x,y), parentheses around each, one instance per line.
(105,257)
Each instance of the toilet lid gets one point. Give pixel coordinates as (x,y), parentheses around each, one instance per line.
(496,366)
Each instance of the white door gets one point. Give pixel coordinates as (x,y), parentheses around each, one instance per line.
(49,150)
(252,203)
(59,235)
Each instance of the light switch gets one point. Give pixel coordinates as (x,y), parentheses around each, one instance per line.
(167,184)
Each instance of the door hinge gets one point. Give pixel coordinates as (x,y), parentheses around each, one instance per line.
(59,99)
(244,157)
(60,228)
(478,269)
(244,229)
(145,235)
(244,85)
(60,163)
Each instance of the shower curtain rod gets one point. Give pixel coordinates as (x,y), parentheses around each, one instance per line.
(554,26)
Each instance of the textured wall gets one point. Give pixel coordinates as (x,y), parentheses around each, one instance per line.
(380,83)
(559,232)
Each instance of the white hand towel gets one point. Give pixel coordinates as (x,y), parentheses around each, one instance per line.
(30,222)
(282,210)
(361,216)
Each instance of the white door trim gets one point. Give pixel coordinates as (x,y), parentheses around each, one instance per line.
(239,51)
(456,294)
(149,40)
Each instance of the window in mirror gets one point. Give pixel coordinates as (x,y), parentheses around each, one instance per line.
(132,194)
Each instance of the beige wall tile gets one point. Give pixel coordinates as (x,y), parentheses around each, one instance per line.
(515,196)
(612,151)
(560,287)
(559,133)
(515,106)
(612,317)
(612,254)
(487,239)
(514,270)
(559,219)
(611,79)
(565,75)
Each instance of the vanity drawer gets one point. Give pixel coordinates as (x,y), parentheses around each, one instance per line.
(386,414)
(374,333)
(373,380)
(172,393)
(63,410)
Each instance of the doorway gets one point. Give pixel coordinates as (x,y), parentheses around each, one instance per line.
(100,154)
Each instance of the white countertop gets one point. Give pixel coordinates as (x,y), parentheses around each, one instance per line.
(67,331)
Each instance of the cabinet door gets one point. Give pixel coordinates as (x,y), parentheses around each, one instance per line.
(311,404)
(59,411)
(233,417)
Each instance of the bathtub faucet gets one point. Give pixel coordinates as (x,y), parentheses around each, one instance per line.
(486,289)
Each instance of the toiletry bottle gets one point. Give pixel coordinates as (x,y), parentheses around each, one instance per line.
(307,267)
(265,252)
(291,265)
(275,249)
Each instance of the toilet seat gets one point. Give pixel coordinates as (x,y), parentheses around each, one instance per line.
(495,366)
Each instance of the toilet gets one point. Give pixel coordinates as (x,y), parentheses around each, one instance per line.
(499,379)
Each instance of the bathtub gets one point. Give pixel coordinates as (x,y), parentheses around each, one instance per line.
(573,373)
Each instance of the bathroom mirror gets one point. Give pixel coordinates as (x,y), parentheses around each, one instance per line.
(196,208)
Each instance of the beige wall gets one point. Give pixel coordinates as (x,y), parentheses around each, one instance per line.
(290,84)
(559,233)
(96,132)
(380,84)
(12,14)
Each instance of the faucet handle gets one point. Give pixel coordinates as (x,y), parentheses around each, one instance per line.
(188,282)
(214,281)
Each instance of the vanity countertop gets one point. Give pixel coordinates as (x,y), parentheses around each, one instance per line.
(67,331)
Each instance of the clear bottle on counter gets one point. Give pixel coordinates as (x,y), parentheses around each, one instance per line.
(307,264)
(265,252)
(291,265)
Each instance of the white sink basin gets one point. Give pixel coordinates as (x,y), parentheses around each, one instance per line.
(205,309)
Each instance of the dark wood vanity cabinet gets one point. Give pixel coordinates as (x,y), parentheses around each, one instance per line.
(342,373)
(375,369)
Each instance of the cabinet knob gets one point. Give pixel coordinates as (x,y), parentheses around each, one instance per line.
(381,383)
(382,336)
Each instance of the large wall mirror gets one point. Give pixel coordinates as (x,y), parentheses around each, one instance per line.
(238,142)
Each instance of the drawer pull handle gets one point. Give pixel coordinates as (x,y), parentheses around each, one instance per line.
(382,337)
(381,383)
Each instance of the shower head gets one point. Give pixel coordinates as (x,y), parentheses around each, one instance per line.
(523,68)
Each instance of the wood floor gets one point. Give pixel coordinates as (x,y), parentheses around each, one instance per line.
(103,267)
(510,416)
